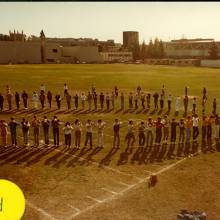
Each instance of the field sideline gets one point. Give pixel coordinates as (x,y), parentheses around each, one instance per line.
(66,184)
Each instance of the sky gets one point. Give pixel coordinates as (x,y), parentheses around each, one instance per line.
(107,20)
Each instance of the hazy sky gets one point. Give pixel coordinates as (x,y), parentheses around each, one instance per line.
(107,20)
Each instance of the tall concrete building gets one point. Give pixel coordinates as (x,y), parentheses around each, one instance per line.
(130,38)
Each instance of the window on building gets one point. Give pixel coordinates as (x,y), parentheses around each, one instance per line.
(55,50)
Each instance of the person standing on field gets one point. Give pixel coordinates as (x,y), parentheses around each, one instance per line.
(100,136)
(195,120)
(194,102)
(4,132)
(95,99)
(13,129)
(42,100)
(55,125)
(116,130)
(42,89)
(9,99)
(89,126)
(77,127)
(169,101)
(45,125)
(58,101)
(143,100)
(204,128)
(148,100)
(68,100)
(130,138)
(136,97)
(214,106)
(36,128)
(83,100)
(25,130)
(185,103)
(156,96)
(177,106)
(113,100)
(89,99)
(166,122)
(149,134)
(65,89)
(130,99)
(35,100)
(182,130)
(101,99)
(141,134)
(67,134)
(17,100)
(76,101)
(189,125)
(162,101)
(25,99)
(217,127)
(49,98)
(174,124)
(107,99)
(159,127)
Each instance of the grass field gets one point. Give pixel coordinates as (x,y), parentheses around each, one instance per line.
(66,184)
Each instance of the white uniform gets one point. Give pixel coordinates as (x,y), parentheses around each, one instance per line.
(177,105)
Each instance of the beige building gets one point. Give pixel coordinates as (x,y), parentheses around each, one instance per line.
(116,56)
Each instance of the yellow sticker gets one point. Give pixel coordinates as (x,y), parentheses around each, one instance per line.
(12,201)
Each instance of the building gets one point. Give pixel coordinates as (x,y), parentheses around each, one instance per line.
(130,39)
(189,48)
(116,56)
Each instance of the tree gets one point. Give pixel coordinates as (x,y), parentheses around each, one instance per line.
(213,51)
(150,49)
(143,51)
(136,51)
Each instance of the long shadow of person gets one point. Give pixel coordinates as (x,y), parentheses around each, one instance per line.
(145,154)
(123,159)
(162,152)
(180,149)
(187,149)
(89,157)
(137,155)
(107,159)
(171,150)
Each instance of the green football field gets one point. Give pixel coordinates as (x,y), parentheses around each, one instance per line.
(109,183)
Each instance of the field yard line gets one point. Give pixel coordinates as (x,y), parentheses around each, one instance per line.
(78,210)
(110,191)
(94,199)
(40,210)
(121,183)
(121,193)
(97,164)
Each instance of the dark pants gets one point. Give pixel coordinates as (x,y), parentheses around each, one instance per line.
(169,105)
(36,136)
(88,138)
(143,106)
(68,140)
(158,136)
(95,104)
(204,132)
(49,101)
(116,139)
(161,104)
(209,132)
(25,103)
(108,104)
(195,132)
(102,104)
(14,138)
(77,138)
(42,103)
(130,104)
(58,104)
(1,106)
(141,139)
(56,136)
(17,104)
(68,104)
(46,136)
(76,105)
(130,138)
(173,136)
(194,108)
(9,104)
(155,104)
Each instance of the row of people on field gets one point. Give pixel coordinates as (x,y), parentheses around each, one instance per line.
(107,100)
(162,129)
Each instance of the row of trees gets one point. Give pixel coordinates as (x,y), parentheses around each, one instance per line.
(155,49)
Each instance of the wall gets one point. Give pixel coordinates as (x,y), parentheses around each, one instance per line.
(19,52)
(210,63)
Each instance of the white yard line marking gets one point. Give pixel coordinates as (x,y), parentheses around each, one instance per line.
(40,210)
(77,210)
(94,199)
(110,191)
(121,183)
(126,190)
